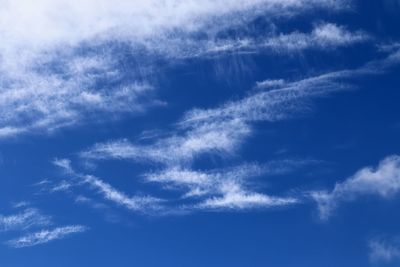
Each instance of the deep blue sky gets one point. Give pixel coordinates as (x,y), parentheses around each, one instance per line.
(283,118)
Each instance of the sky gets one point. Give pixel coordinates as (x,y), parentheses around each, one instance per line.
(199,133)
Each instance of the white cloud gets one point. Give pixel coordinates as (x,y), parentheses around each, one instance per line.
(46,236)
(20,204)
(144,204)
(201,182)
(234,197)
(382,181)
(382,250)
(27,219)
(72,22)
(178,176)
(327,35)
(271,83)
(220,138)
(323,36)
(221,130)
(59,64)
(64,164)
(37,101)
(63,186)
(8,131)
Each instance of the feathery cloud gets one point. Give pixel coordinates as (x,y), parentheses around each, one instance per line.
(383,250)
(222,129)
(67,66)
(235,197)
(382,181)
(324,36)
(45,236)
(144,204)
(27,219)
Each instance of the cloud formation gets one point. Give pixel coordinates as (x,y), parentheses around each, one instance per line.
(24,220)
(142,204)
(67,66)
(382,181)
(46,236)
(220,132)
(325,36)
(383,250)
(31,224)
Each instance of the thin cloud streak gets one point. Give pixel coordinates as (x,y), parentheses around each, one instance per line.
(324,37)
(143,204)
(383,250)
(221,131)
(51,74)
(382,181)
(29,218)
(46,236)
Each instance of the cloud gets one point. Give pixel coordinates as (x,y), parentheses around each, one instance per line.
(197,183)
(20,204)
(201,182)
(235,197)
(203,190)
(144,204)
(382,181)
(324,36)
(270,83)
(65,164)
(80,58)
(177,149)
(72,22)
(135,203)
(25,220)
(221,130)
(46,236)
(383,250)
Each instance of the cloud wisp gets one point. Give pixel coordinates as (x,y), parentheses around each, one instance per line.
(33,226)
(220,132)
(324,37)
(382,181)
(384,250)
(45,236)
(142,204)
(67,66)
(29,218)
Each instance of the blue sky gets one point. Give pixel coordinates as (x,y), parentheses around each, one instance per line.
(199,133)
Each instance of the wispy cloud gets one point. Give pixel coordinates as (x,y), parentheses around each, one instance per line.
(222,129)
(324,36)
(64,164)
(382,181)
(25,220)
(384,250)
(220,132)
(67,66)
(32,219)
(46,236)
(143,204)
(235,197)
(135,203)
